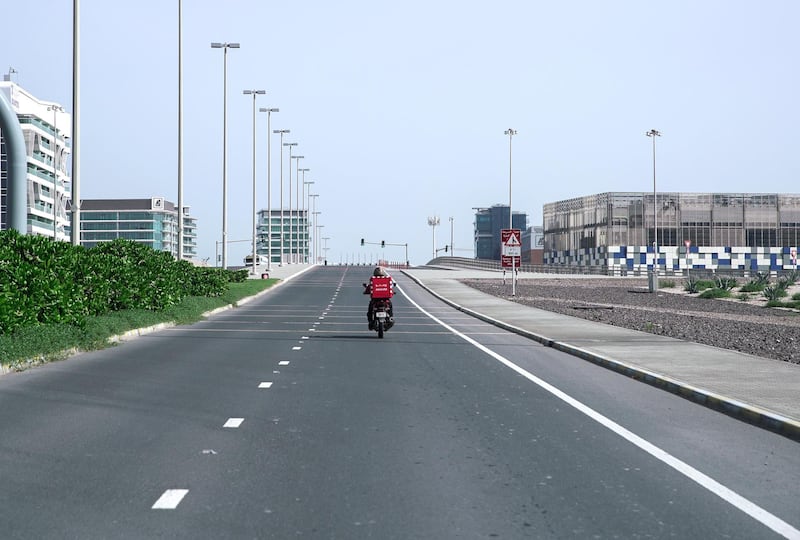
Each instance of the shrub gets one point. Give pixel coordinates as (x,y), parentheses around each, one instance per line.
(690,286)
(726,283)
(715,293)
(666,284)
(762,278)
(744,297)
(774,292)
(752,286)
(43,282)
(703,284)
(796,297)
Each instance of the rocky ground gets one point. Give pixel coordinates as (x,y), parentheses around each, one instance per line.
(745,326)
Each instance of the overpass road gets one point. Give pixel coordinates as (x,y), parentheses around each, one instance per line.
(287,418)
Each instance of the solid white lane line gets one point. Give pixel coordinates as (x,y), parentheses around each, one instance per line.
(738,501)
(233,423)
(265,385)
(283,363)
(170,499)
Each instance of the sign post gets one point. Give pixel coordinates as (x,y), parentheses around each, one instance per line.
(511,240)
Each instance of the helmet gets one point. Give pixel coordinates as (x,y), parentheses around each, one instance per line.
(378,272)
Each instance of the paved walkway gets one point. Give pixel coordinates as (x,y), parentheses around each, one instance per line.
(762,391)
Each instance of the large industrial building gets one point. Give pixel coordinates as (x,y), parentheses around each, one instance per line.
(152,221)
(47,130)
(717,231)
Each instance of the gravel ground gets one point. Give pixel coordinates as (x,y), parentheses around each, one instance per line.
(730,324)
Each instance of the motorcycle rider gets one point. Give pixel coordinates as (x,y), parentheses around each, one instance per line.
(378,272)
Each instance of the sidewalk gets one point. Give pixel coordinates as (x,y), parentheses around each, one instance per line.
(758,390)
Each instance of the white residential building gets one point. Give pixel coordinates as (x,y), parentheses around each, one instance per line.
(47,129)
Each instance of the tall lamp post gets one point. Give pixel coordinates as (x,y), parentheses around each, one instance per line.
(76,123)
(290,145)
(433,222)
(281,132)
(269,112)
(180,133)
(313,204)
(307,215)
(224,47)
(654,279)
(511,132)
(299,204)
(452,249)
(254,93)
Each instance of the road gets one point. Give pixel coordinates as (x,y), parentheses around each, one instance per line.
(288,418)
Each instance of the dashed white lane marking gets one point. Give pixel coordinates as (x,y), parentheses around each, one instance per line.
(312,329)
(728,495)
(233,422)
(283,363)
(170,499)
(296,348)
(304,337)
(265,385)
(316,323)
(320,318)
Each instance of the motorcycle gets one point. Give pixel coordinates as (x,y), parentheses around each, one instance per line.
(381,306)
(382,321)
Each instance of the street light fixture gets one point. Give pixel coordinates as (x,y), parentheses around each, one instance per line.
(452,248)
(511,132)
(654,279)
(254,93)
(314,213)
(433,222)
(301,203)
(290,145)
(281,132)
(224,47)
(269,112)
(298,202)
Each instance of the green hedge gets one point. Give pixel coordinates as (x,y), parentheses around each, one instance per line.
(47,282)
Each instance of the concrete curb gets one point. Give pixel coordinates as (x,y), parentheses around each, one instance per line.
(746,412)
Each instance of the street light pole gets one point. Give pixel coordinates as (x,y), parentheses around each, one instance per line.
(224,47)
(290,145)
(313,206)
(298,203)
(511,132)
(654,284)
(76,123)
(307,216)
(254,93)
(180,134)
(452,249)
(433,222)
(281,131)
(269,112)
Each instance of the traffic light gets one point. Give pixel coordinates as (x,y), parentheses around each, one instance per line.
(383,244)
(445,248)
(362,241)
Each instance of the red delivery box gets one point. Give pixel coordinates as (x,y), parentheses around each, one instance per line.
(381,287)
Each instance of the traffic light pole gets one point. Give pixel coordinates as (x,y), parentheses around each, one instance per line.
(383,243)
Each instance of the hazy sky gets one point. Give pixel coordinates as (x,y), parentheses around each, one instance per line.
(399,108)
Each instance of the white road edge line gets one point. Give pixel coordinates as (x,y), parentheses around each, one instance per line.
(728,495)
(170,499)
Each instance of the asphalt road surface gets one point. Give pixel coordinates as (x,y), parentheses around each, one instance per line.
(287,418)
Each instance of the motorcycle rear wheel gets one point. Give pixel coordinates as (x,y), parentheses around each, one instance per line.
(380,329)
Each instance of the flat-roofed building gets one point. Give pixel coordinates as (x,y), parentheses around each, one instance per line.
(47,129)
(717,231)
(152,221)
